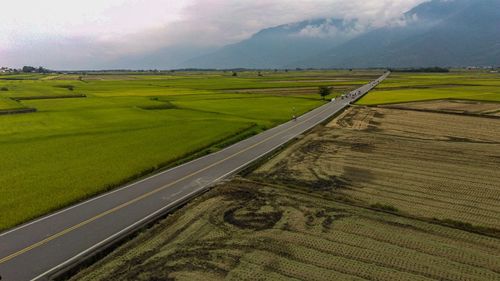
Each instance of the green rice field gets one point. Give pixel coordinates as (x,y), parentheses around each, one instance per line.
(404,191)
(407,87)
(93,132)
(6,104)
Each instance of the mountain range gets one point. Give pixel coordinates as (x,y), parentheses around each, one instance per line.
(450,33)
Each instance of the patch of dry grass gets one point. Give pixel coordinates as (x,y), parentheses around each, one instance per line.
(353,200)
(247,230)
(452,106)
(423,164)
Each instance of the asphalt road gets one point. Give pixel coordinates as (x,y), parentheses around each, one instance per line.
(38,249)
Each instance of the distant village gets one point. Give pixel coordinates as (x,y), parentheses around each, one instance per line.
(8,70)
(40,69)
(25,69)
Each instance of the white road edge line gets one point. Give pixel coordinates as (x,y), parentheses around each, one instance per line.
(95,246)
(369,88)
(149,177)
(134,183)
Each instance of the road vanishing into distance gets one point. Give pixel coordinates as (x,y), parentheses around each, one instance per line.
(50,245)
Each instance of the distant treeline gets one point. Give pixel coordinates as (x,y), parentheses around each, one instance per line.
(31,69)
(165,71)
(423,69)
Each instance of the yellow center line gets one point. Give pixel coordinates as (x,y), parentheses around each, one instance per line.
(83,223)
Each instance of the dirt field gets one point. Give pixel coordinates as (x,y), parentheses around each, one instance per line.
(452,106)
(422,164)
(353,200)
(252,231)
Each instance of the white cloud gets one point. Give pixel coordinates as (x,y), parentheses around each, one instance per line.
(331,28)
(63,33)
(28,21)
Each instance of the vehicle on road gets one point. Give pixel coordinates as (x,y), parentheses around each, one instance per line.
(65,238)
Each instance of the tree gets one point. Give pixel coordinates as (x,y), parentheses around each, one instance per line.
(30,69)
(27,69)
(235,74)
(325,91)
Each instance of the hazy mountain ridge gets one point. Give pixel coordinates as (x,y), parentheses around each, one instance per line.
(462,33)
(435,33)
(278,46)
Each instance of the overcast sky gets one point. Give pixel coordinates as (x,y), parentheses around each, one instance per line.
(77,34)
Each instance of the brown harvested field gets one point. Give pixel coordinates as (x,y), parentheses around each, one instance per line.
(429,165)
(353,200)
(246,230)
(452,106)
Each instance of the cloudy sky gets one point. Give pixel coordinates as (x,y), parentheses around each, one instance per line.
(77,34)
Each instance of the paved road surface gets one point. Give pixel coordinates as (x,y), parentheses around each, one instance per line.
(38,249)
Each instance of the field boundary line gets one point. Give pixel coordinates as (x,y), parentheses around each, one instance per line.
(171,205)
(129,185)
(316,116)
(145,195)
